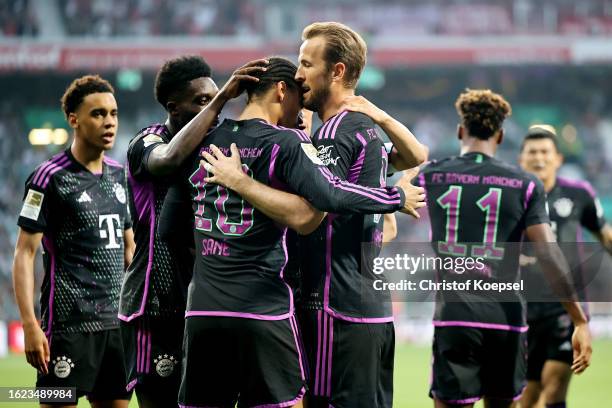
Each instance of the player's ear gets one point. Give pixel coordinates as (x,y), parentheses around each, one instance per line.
(72,120)
(500,138)
(459,132)
(281,90)
(172,108)
(338,72)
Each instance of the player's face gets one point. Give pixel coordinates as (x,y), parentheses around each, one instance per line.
(541,158)
(193,99)
(95,120)
(291,106)
(314,74)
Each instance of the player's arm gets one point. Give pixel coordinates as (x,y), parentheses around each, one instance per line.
(313,182)
(166,158)
(129,246)
(36,344)
(407,151)
(593,219)
(389,228)
(557,271)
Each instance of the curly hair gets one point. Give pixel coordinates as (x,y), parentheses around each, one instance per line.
(278,69)
(175,75)
(482,112)
(80,88)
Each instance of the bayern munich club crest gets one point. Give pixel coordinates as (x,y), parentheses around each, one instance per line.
(120,193)
(563,207)
(62,366)
(164,365)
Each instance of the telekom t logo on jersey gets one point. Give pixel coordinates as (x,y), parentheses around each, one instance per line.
(110,231)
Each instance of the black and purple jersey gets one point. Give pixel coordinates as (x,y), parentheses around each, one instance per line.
(572,205)
(335,273)
(241,254)
(476,204)
(82,217)
(155,283)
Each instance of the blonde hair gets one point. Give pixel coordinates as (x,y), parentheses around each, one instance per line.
(342,45)
(482,112)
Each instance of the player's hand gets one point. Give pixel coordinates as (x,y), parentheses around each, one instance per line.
(226,171)
(246,73)
(581,343)
(36,347)
(358,103)
(415,196)
(305,121)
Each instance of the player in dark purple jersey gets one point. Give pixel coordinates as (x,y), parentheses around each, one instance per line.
(76,205)
(154,289)
(241,335)
(476,204)
(347,325)
(572,205)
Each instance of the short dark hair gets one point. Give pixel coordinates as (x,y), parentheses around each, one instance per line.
(80,88)
(539,132)
(482,112)
(278,69)
(175,75)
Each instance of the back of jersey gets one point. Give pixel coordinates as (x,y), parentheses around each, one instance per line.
(479,208)
(240,253)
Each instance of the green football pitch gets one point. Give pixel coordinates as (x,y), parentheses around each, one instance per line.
(592,389)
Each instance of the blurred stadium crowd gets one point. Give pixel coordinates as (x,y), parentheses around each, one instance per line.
(577,99)
(110,18)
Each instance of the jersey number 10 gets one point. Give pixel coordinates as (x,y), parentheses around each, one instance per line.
(225,199)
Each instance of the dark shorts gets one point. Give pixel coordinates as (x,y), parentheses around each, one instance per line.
(91,362)
(549,338)
(472,363)
(229,360)
(350,364)
(153,352)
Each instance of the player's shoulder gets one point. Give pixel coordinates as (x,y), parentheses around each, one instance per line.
(579,187)
(283,135)
(344,123)
(154,133)
(45,172)
(434,165)
(114,167)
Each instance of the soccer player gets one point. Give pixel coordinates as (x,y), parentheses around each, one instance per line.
(476,204)
(572,205)
(347,325)
(153,295)
(241,340)
(76,205)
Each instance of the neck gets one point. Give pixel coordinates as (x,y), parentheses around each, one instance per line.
(549,183)
(334,102)
(173,127)
(91,159)
(474,145)
(256,110)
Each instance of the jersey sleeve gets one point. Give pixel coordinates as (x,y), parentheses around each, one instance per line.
(37,201)
(138,153)
(536,210)
(299,167)
(592,216)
